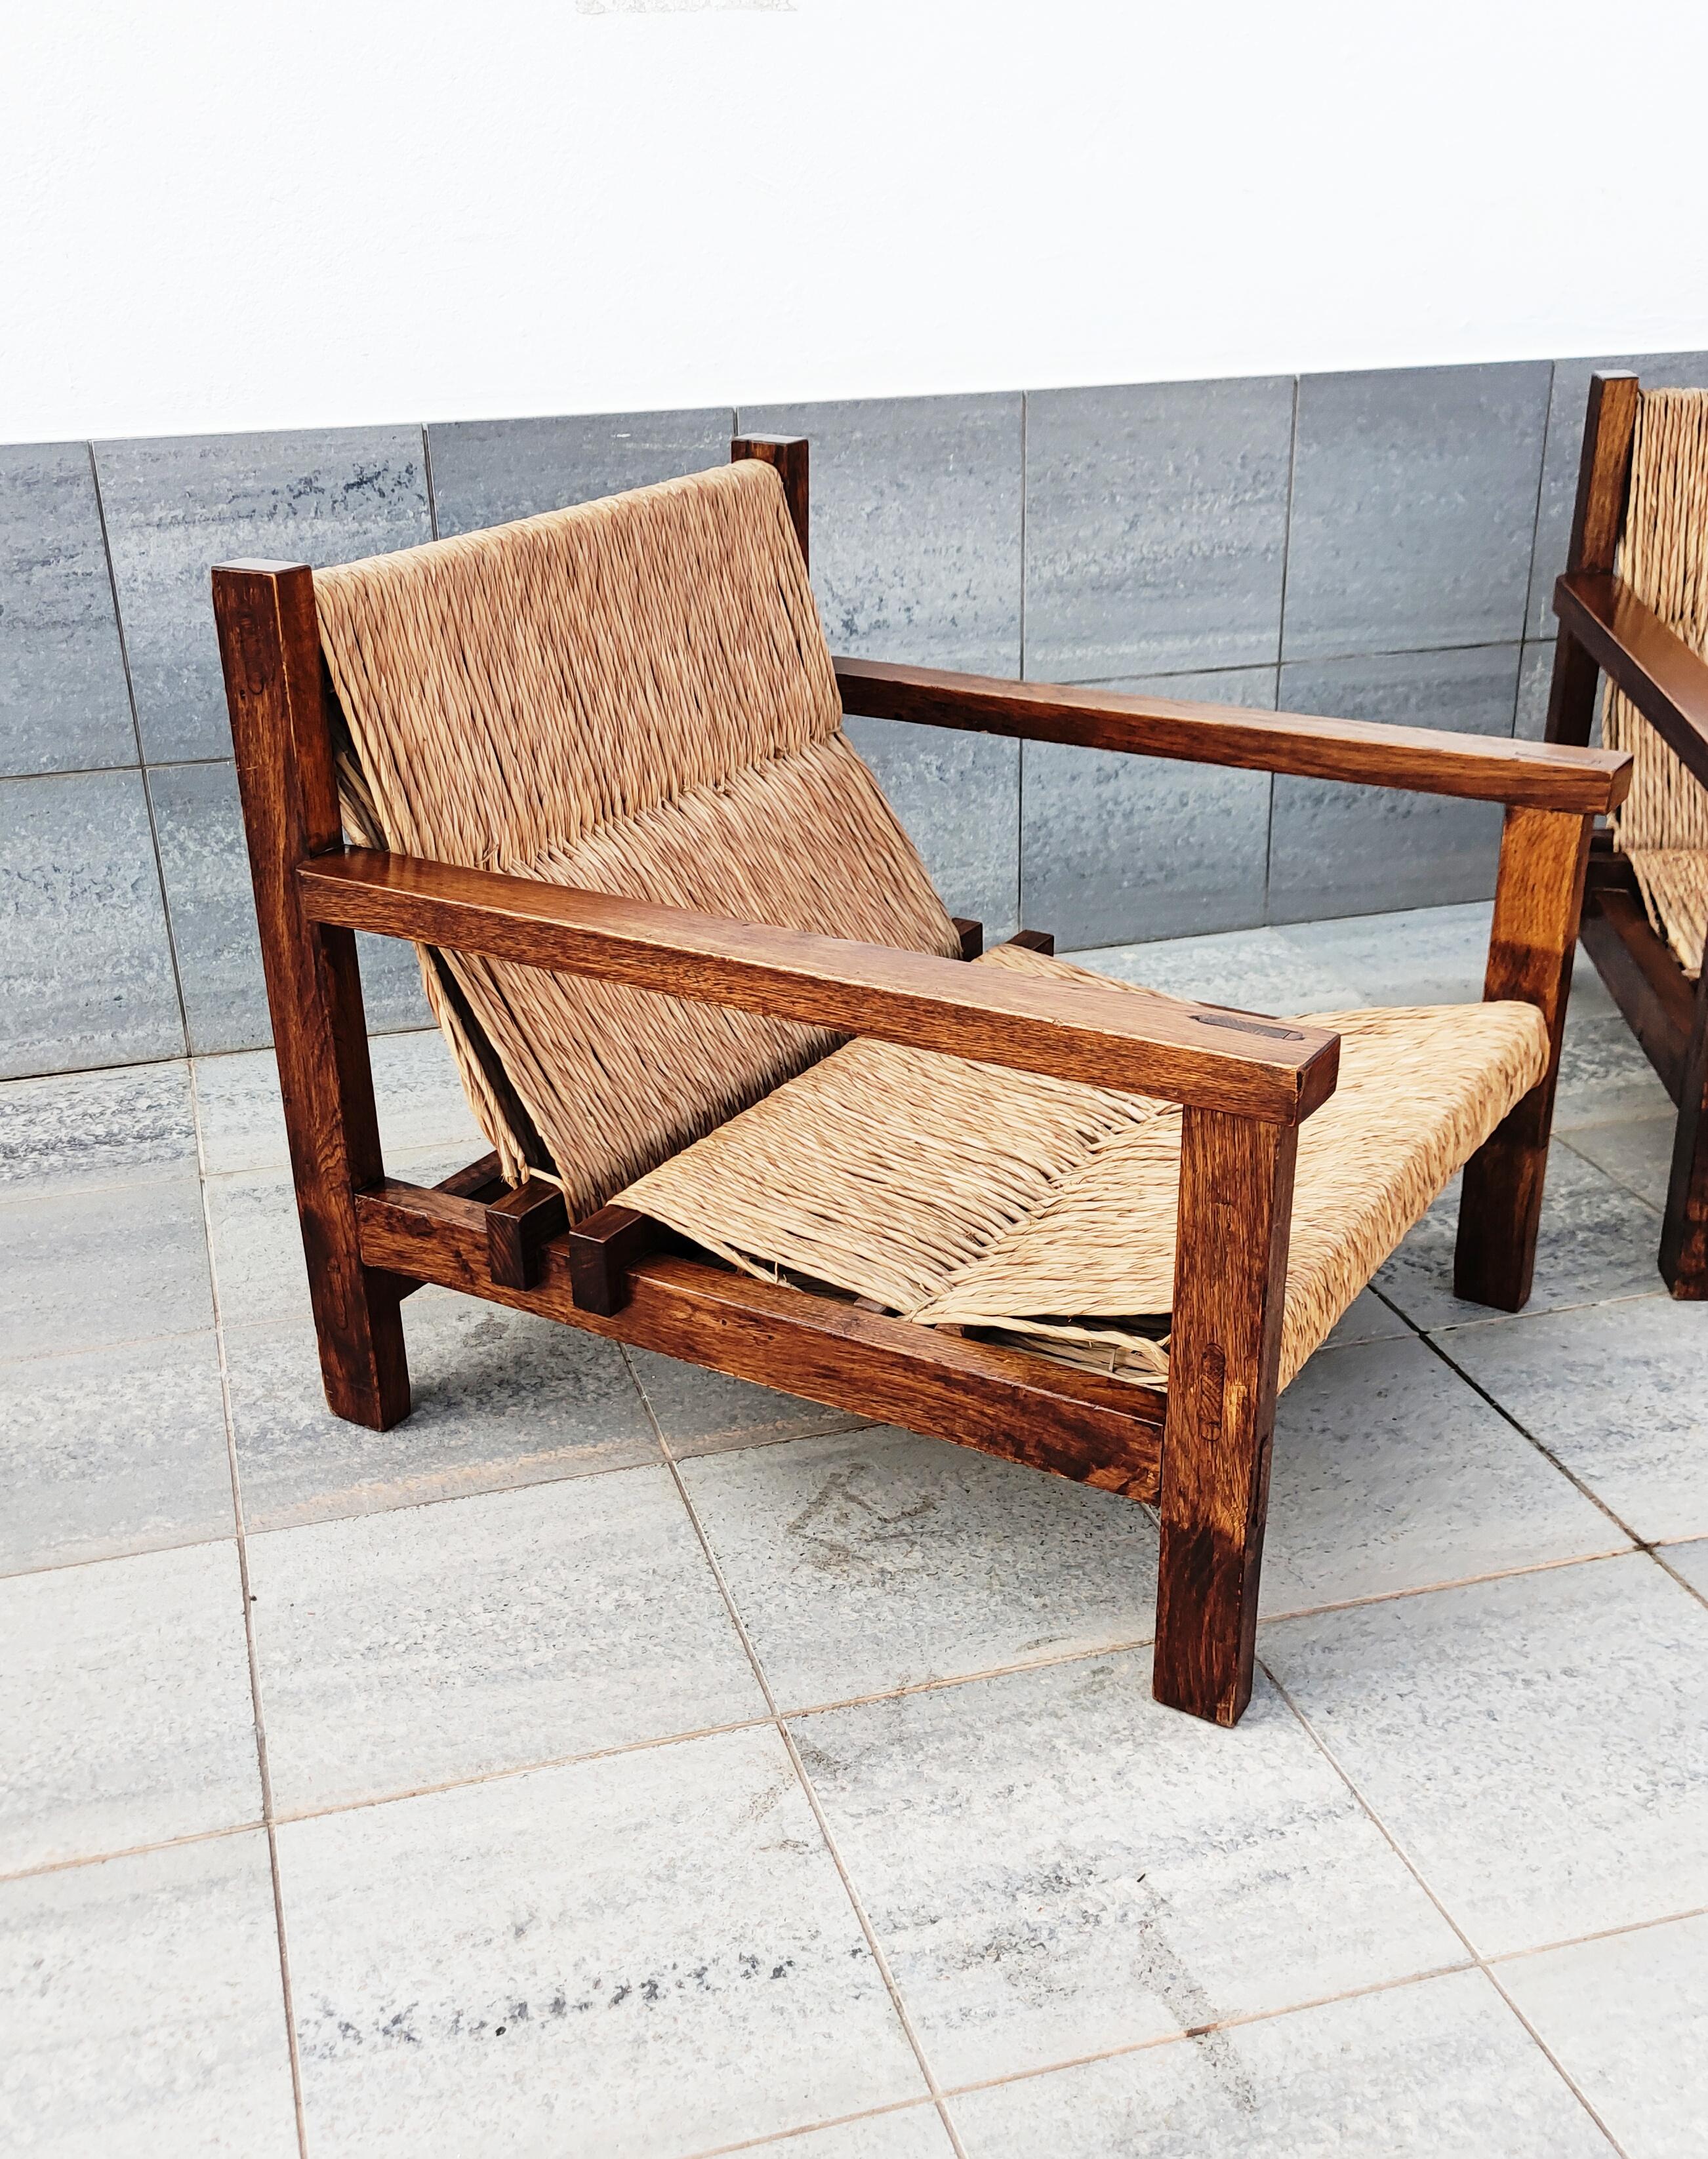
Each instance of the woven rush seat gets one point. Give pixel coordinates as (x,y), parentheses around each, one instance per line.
(958,1194)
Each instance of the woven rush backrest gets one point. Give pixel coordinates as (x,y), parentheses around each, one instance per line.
(1664,558)
(633,697)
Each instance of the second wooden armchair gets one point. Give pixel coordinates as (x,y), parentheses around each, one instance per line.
(596,765)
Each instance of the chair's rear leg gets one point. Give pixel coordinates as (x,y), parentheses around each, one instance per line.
(1538,898)
(1684,1236)
(1236,1198)
(271,650)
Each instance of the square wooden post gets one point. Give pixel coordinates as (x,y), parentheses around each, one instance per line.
(1230,1269)
(789,454)
(270,648)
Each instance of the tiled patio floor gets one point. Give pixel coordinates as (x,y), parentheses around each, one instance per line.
(697,1771)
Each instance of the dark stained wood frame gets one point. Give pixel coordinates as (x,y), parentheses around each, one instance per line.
(1246,1082)
(1605,629)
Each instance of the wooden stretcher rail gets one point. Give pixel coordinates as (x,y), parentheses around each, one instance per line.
(1245,1064)
(1658,671)
(1531,775)
(1098,1431)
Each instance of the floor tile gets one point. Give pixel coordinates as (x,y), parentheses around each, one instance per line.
(1604,1075)
(421,1102)
(1366,1319)
(703,1412)
(1619,1393)
(86,976)
(1414,506)
(487,472)
(648,1954)
(1419,956)
(1691,1560)
(1626,2017)
(880,1560)
(255,1237)
(1054,1864)
(64,704)
(1115,846)
(1440,2070)
(1636,1152)
(1596,1241)
(1391,1475)
(129,1125)
(501,1398)
(1155,526)
(85,1269)
(1535,1745)
(110,1450)
(256,1246)
(125,1699)
(175,503)
(433,1643)
(1251,969)
(916,2132)
(142,2009)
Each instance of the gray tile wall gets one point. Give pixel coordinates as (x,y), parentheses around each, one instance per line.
(1380,545)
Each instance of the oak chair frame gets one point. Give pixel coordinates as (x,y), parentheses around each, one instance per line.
(1202,1451)
(1606,629)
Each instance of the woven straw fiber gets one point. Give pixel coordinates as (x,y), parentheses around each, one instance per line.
(956,1193)
(1663,823)
(633,697)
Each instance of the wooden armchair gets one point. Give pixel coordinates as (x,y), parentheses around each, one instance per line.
(1635,589)
(1213,1102)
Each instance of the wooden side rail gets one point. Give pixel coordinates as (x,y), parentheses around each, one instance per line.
(1484,768)
(1658,671)
(1098,1431)
(1247,1066)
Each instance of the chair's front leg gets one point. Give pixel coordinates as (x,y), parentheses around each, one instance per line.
(1230,1269)
(1538,899)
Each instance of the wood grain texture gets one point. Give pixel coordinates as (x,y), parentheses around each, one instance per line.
(972,934)
(1651,990)
(1604,470)
(1236,1196)
(602,1249)
(1035,941)
(1480,767)
(1096,1431)
(789,454)
(1684,1236)
(518,1224)
(1658,671)
(270,650)
(1538,899)
(1183,1053)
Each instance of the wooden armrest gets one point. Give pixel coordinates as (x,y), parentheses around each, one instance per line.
(1485,767)
(1212,1058)
(1658,671)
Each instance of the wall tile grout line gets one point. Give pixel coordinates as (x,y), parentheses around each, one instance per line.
(1280,636)
(1417,1875)
(252,1652)
(112,584)
(857,1904)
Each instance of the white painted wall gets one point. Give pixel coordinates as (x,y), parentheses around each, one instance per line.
(219,215)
